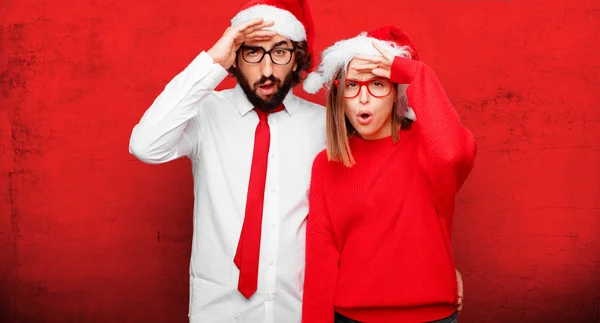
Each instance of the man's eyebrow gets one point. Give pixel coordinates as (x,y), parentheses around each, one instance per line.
(283,42)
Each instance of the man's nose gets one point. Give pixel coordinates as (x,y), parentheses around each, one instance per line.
(266,66)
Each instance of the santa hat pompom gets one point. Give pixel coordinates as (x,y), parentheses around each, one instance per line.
(313,83)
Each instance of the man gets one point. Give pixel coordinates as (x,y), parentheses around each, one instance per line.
(251,149)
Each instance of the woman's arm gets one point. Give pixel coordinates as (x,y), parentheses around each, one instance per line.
(446,148)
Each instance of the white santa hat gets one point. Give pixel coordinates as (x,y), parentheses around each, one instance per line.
(338,56)
(292,18)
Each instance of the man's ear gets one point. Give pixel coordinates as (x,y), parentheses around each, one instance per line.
(295,67)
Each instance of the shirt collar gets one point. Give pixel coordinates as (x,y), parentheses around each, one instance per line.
(244,106)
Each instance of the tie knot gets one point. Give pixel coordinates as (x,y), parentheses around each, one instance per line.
(262,115)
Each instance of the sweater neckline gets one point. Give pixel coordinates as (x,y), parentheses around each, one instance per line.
(359,143)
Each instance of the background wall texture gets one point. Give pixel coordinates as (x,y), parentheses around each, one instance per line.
(90,234)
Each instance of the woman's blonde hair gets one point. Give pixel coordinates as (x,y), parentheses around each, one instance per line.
(339,128)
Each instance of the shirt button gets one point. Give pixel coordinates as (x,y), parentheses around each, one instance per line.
(271,121)
(273,156)
(270,297)
(272,263)
(273,190)
(274,226)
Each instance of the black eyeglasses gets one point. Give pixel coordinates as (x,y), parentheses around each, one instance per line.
(278,55)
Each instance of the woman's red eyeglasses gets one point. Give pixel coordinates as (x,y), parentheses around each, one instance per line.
(377,87)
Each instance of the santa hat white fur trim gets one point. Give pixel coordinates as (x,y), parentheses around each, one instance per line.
(286,24)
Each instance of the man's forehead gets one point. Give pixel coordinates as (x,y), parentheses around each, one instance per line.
(269,43)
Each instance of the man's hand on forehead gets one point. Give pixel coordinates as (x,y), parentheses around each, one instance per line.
(224,51)
(254,29)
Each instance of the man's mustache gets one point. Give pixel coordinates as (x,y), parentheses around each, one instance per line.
(264,80)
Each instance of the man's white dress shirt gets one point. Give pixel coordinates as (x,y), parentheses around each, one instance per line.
(216,131)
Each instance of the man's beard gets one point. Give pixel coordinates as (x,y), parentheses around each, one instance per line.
(277,97)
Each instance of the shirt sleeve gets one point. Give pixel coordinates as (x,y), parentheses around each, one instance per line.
(446,148)
(322,256)
(172,126)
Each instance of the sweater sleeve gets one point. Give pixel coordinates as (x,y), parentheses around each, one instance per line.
(446,148)
(322,256)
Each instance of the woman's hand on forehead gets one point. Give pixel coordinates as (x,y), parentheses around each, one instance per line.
(378,65)
(360,69)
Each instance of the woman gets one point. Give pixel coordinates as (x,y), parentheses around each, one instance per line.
(382,193)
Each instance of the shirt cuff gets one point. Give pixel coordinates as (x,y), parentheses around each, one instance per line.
(210,73)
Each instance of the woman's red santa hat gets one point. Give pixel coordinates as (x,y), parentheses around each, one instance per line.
(338,56)
(292,18)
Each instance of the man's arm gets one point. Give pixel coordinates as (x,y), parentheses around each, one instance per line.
(459,283)
(168,129)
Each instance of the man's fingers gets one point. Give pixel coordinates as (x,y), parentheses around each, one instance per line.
(459,305)
(248,24)
(255,27)
(258,38)
(261,34)
(459,281)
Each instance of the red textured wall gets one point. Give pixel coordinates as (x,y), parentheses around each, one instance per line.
(89,234)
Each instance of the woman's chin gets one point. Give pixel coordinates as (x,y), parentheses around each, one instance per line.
(366,132)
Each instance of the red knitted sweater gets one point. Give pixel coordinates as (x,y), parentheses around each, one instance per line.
(379,233)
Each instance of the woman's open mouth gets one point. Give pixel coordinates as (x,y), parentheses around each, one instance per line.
(364,117)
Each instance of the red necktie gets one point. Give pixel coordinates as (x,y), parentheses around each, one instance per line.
(248,249)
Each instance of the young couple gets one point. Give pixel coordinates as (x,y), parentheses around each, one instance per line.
(311,214)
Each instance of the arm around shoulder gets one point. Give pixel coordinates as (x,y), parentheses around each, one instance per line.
(322,256)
